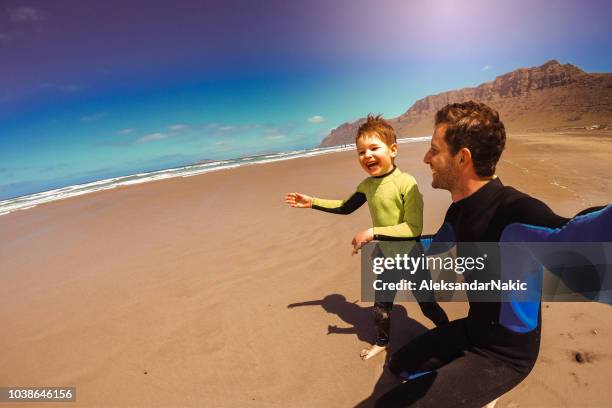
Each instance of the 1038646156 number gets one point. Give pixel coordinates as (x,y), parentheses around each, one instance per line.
(39,394)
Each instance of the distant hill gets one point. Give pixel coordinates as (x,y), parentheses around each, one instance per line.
(550,96)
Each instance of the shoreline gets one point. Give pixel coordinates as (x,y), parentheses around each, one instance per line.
(29,201)
(26,202)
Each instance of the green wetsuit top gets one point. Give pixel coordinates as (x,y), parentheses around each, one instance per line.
(395,203)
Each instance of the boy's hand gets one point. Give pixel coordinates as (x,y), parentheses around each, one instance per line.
(362,238)
(297,200)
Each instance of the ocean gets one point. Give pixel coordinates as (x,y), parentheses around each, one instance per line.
(32,200)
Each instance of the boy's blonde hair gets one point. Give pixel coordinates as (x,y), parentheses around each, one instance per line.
(376,126)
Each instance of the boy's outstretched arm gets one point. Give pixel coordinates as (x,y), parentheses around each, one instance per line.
(298,200)
(340,206)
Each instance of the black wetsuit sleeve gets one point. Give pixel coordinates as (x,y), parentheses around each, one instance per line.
(343,207)
(531,211)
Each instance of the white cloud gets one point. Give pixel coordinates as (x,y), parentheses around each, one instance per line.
(126,131)
(95,116)
(24,14)
(152,137)
(316,119)
(486,68)
(275,137)
(177,127)
(226,128)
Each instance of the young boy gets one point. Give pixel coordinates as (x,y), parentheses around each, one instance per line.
(396,208)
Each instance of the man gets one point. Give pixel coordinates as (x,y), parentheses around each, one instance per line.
(472,361)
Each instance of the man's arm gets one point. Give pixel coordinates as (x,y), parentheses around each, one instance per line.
(581,267)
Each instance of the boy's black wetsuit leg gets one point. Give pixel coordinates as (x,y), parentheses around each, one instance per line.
(383,303)
(384,299)
(382,322)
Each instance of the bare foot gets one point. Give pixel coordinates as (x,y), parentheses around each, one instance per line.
(490,404)
(371,352)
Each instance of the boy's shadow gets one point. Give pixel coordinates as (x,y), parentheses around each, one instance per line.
(403,329)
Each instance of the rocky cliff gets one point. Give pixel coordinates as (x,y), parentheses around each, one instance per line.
(550,96)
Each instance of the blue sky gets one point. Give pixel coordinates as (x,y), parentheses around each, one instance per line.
(94,89)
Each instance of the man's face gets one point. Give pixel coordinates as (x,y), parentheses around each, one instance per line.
(441,162)
(375,157)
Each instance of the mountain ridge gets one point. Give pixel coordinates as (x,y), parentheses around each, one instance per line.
(552,95)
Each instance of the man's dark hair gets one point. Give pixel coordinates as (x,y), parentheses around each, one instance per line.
(477,127)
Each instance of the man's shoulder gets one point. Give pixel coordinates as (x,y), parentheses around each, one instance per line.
(509,195)
(523,208)
(510,200)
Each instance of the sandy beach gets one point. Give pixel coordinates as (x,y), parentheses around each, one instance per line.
(176,293)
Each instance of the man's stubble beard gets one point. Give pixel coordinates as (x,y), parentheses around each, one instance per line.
(443,179)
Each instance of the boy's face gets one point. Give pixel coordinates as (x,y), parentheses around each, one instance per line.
(375,157)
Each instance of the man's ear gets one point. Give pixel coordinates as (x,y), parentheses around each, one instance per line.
(465,156)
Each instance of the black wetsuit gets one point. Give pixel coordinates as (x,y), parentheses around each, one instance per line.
(474,360)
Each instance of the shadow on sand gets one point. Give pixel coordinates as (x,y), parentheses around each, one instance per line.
(403,329)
